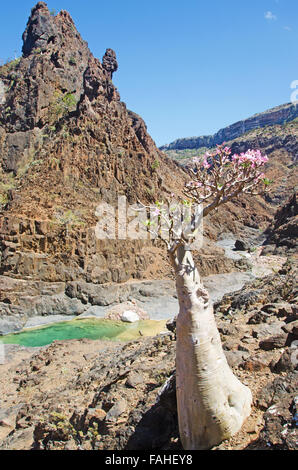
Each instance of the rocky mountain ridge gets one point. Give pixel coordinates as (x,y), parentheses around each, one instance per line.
(277,115)
(68,143)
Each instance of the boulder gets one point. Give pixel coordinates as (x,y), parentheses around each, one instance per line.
(134,379)
(127,312)
(130,317)
(280,429)
(273,342)
(265,330)
(287,362)
(241,245)
(117,410)
(277,390)
(95,311)
(235,358)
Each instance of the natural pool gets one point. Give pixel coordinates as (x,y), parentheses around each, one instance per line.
(85,328)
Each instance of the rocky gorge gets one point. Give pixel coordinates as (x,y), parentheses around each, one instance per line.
(122,395)
(68,144)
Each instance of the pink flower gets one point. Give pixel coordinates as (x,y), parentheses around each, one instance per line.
(253,157)
(206,164)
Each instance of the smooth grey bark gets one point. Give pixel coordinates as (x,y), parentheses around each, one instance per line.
(212,403)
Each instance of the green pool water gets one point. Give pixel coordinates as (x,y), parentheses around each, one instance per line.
(85,328)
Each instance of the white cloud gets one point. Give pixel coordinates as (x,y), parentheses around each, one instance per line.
(269,16)
(287,28)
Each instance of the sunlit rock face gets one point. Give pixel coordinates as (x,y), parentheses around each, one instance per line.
(2,92)
(278,115)
(68,143)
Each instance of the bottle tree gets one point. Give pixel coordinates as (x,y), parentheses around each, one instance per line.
(212,403)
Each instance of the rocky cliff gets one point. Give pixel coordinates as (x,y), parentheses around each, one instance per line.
(278,115)
(282,235)
(68,143)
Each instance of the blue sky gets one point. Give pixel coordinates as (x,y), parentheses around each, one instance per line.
(187,67)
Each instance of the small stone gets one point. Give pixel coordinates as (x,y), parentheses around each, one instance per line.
(242,348)
(235,358)
(116,410)
(71,445)
(256,363)
(100,414)
(248,339)
(291,328)
(134,379)
(259,317)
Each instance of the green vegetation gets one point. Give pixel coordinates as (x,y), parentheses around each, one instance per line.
(7,183)
(9,66)
(28,162)
(3,200)
(37,51)
(66,219)
(62,105)
(183,155)
(155,164)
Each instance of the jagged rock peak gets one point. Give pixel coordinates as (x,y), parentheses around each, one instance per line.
(40,28)
(43,28)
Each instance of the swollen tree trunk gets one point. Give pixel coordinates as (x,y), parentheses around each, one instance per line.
(212,403)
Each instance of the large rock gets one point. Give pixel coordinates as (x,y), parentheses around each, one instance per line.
(9,324)
(280,429)
(32,306)
(242,245)
(278,341)
(277,390)
(265,330)
(130,317)
(128,312)
(282,235)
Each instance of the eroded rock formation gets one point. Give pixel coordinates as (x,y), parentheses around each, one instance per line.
(68,143)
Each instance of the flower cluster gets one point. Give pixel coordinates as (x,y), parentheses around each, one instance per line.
(251,157)
(220,176)
(216,179)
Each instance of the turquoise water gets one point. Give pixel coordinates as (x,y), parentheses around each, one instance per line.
(85,328)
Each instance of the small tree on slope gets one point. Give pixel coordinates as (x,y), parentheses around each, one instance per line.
(212,403)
